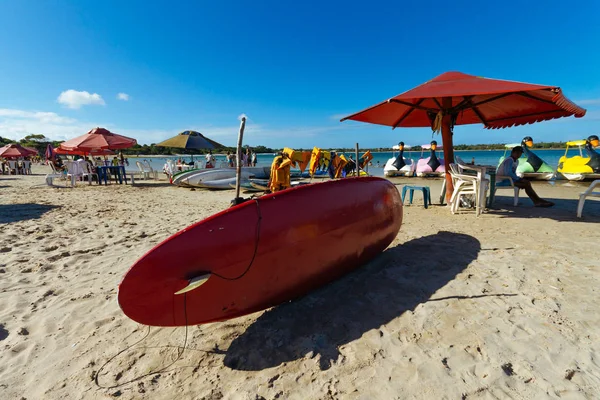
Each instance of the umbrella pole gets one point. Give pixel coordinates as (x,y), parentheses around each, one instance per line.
(357,167)
(448,149)
(238,174)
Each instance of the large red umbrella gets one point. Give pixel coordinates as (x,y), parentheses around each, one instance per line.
(15,150)
(454,98)
(98,138)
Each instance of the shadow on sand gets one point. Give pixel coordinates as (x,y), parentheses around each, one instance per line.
(564,209)
(151,185)
(22,212)
(400,279)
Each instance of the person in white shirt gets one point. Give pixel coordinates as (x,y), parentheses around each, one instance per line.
(508,167)
(210,160)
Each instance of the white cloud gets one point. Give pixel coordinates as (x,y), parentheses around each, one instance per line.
(123,96)
(44,117)
(74,99)
(16,124)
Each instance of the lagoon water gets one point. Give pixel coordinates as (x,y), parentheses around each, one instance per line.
(482,157)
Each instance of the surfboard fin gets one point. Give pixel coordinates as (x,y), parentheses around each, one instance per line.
(194,283)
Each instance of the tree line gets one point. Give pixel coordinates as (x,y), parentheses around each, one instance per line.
(40,142)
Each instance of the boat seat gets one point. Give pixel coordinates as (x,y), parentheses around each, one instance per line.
(588,193)
(411,188)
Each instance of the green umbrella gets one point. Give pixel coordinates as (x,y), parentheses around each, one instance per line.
(191,140)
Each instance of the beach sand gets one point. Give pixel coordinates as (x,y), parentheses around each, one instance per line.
(503,306)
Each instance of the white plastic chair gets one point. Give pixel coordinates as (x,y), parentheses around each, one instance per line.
(145,174)
(148,168)
(74,171)
(464,185)
(172,166)
(86,170)
(13,166)
(500,178)
(27,167)
(54,175)
(588,193)
(483,182)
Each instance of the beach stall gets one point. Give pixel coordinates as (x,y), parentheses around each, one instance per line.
(96,140)
(12,152)
(455,98)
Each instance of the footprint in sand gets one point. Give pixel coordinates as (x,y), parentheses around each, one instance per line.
(59,256)
(5,249)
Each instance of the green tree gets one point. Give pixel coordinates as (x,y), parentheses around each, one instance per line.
(39,138)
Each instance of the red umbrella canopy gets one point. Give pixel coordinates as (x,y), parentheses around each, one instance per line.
(98,138)
(15,150)
(471,100)
(454,98)
(93,152)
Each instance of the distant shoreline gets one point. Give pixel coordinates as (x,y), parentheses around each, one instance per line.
(360,150)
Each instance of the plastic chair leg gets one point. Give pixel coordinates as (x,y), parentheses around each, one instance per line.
(580,205)
(403,193)
(411,195)
(516,201)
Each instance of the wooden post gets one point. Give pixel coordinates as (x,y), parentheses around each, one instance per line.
(448,149)
(357,166)
(238,174)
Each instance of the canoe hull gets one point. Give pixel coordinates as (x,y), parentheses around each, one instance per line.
(263,252)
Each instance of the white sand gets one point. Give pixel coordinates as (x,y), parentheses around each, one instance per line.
(500,306)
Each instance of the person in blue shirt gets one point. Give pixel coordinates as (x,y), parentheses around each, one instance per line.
(508,168)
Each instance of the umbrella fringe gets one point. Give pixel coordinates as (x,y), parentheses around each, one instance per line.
(563,102)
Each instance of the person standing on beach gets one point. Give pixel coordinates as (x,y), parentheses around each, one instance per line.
(248,157)
(509,167)
(209,160)
(254,159)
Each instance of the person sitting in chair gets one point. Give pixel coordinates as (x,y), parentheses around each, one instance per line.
(508,167)
(58,164)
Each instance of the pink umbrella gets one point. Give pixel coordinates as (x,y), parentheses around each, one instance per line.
(32,149)
(98,138)
(15,150)
(49,152)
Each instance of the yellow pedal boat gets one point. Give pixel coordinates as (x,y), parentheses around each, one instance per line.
(585,165)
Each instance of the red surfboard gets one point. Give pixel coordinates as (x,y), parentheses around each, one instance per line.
(262,252)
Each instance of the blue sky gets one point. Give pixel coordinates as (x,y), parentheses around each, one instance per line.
(294,68)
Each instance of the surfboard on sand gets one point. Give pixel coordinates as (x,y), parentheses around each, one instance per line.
(247,185)
(262,252)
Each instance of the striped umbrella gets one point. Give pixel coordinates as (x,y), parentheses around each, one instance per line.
(191,140)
